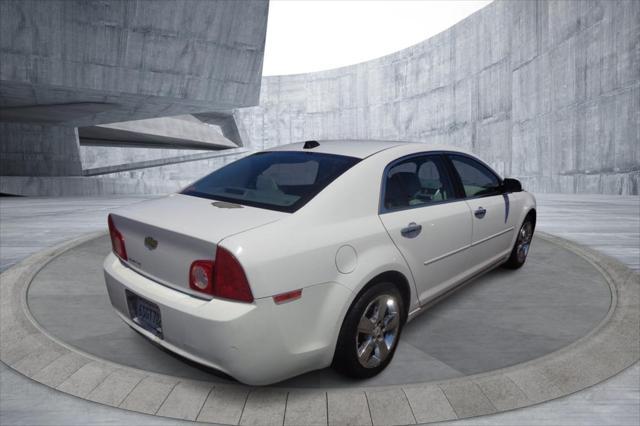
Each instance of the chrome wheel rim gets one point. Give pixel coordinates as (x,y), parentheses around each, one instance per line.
(377,331)
(524,241)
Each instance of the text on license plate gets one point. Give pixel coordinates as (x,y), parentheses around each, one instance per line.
(145,313)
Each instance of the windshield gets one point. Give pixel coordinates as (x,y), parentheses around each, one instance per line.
(275,180)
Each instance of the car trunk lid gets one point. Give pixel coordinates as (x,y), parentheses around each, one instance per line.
(163,237)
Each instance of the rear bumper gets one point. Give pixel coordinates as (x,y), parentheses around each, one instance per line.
(257,343)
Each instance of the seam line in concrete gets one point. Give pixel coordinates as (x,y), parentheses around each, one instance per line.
(167,397)
(326,405)
(246,398)
(205,401)
(45,366)
(415,420)
(286,401)
(131,390)
(366,398)
(449,401)
(486,396)
(99,383)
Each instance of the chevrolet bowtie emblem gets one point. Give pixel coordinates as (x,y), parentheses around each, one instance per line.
(150,243)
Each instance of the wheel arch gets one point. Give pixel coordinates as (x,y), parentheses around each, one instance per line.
(533,214)
(392,276)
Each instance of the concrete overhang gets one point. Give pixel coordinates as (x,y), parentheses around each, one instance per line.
(168,132)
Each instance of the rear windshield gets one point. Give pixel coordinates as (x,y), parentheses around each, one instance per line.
(276,180)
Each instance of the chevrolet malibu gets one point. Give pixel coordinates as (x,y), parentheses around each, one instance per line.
(311,254)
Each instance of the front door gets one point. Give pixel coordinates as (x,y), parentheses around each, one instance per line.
(429,225)
(492,225)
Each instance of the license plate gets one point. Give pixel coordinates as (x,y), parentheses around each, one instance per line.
(145,313)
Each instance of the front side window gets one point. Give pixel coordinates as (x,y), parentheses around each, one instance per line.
(477,179)
(276,180)
(416,181)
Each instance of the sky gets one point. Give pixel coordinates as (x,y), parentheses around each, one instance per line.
(314,35)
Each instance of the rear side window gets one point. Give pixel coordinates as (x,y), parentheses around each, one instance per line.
(477,179)
(414,182)
(276,180)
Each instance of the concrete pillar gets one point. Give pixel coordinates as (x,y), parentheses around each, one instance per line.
(28,149)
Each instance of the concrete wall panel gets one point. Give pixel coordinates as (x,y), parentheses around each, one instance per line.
(546,91)
(79,43)
(137,59)
(39,150)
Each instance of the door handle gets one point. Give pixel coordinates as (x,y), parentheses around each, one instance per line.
(412,230)
(480,212)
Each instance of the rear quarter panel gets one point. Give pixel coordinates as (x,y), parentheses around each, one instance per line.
(300,250)
(521,204)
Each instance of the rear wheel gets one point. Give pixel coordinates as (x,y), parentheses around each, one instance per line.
(370,332)
(521,247)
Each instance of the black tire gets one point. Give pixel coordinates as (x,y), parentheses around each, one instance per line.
(346,358)
(522,245)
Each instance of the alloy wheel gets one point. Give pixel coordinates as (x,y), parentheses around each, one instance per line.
(524,241)
(377,331)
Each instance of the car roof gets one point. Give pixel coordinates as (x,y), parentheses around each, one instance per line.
(359,148)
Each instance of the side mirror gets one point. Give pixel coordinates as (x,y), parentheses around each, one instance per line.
(511,185)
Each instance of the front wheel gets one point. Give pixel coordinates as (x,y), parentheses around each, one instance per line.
(521,247)
(370,332)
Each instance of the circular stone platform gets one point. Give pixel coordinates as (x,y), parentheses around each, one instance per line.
(501,319)
(565,321)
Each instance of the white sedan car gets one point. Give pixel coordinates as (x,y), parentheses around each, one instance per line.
(311,254)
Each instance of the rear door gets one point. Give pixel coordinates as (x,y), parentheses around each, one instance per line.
(492,227)
(425,220)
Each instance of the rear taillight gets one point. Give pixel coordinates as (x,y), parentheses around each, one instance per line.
(229,280)
(223,278)
(201,276)
(117,240)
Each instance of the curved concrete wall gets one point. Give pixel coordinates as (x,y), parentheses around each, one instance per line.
(548,92)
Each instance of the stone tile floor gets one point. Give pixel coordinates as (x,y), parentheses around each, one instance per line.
(607,223)
(502,319)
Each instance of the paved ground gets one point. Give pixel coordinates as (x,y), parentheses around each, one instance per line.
(499,320)
(609,224)
(28,225)
(606,351)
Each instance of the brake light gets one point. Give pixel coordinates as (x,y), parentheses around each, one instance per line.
(223,278)
(117,240)
(201,276)
(229,280)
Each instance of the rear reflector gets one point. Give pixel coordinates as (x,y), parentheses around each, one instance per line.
(117,240)
(201,276)
(287,297)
